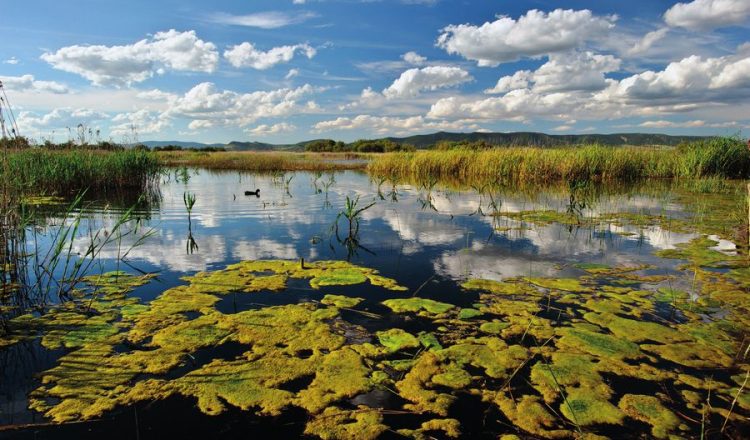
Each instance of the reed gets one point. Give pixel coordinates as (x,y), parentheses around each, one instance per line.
(720,158)
(38,170)
(264,161)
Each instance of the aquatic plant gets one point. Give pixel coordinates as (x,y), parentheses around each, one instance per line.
(722,157)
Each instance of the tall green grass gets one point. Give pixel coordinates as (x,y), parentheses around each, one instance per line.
(39,170)
(719,157)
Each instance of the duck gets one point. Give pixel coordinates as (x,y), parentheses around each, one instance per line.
(255,193)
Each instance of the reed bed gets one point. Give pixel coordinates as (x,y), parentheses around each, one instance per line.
(38,170)
(265,161)
(720,158)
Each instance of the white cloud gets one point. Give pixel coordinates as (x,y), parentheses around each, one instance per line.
(156,95)
(563,72)
(12,60)
(662,123)
(29,84)
(246,55)
(413,58)
(647,41)
(292,73)
(209,107)
(124,65)
(393,125)
(707,14)
(266,130)
(413,81)
(63,119)
(141,121)
(691,80)
(532,35)
(264,20)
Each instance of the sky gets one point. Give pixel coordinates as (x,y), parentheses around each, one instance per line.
(285,71)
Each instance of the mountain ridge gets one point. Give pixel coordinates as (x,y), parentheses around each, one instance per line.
(422,141)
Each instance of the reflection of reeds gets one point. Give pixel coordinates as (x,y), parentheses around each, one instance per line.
(43,264)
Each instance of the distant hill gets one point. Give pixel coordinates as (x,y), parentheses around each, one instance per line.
(546,140)
(507,139)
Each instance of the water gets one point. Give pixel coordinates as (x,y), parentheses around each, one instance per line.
(429,239)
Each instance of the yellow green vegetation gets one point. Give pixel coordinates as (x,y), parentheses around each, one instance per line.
(396,339)
(340,424)
(649,409)
(584,407)
(262,161)
(548,353)
(422,306)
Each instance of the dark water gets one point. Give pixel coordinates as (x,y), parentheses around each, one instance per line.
(428,239)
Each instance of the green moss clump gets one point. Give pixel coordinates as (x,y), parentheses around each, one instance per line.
(417,305)
(636,331)
(416,387)
(699,253)
(568,370)
(396,339)
(494,327)
(584,407)
(498,287)
(489,353)
(469,313)
(530,415)
(566,284)
(598,344)
(691,354)
(341,424)
(338,277)
(342,374)
(650,410)
(340,301)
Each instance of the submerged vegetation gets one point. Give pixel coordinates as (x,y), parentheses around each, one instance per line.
(545,377)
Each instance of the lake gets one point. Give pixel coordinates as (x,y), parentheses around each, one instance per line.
(565,311)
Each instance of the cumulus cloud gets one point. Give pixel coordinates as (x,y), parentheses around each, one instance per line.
(266,129)
(30,123)
(209,107)
(413,58)
(413,81)
(133,63)
(707,14)
(264,20)
(246,55)
(141,122)
(693,83)
(393,125)
(30,84)
(535,34)
(563,72)
(662,123)
(12,61)
(691,80)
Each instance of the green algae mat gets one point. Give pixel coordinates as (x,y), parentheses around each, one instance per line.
(612,351)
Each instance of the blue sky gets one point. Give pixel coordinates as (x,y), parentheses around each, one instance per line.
(289,70)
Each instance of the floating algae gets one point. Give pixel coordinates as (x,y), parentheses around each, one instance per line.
(342,424)
(566,338)
(649,409)
(396,339)
(422,306)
